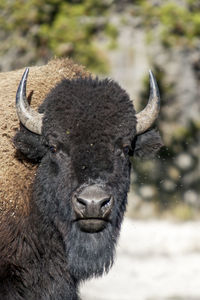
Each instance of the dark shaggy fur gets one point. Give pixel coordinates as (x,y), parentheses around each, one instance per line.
(87,137)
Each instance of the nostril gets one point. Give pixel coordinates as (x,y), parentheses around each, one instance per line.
(106,206)
(80,203)
(106,202)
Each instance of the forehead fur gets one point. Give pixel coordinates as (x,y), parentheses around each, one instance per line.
(87,109)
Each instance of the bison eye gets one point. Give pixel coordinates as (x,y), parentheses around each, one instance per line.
(53,148)
(126,149)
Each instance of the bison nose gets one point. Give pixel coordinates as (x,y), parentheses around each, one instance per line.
(94,207)
(93,202)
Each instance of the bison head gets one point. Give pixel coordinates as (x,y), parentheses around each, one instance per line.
(82,137)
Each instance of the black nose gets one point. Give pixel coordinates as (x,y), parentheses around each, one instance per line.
(93,202)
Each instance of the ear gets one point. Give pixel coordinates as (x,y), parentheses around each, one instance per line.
(30,144)
(147,144)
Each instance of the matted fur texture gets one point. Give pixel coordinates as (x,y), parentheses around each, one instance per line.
(88,134)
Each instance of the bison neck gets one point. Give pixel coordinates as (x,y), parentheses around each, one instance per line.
(46,260)
(33,263)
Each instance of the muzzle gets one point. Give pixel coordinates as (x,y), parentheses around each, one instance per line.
(92,206)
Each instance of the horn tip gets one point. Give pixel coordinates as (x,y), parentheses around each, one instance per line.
(153,82)
(152,78)
(26,71)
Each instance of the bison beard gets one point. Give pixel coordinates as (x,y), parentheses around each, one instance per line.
(88,133)
(93,253)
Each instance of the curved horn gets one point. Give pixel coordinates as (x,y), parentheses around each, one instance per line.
(149,114)
(31,119)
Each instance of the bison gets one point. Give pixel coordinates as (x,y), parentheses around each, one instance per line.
(64,189)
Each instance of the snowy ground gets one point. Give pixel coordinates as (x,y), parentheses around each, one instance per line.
(156,260)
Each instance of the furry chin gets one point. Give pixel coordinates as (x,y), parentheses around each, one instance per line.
(90,254)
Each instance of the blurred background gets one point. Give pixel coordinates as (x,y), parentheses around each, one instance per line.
(122,40)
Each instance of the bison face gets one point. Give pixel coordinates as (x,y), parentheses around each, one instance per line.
(87,133)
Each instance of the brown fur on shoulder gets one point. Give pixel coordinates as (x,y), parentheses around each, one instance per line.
(16,175)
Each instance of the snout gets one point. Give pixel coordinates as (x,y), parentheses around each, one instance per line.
(92,206)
